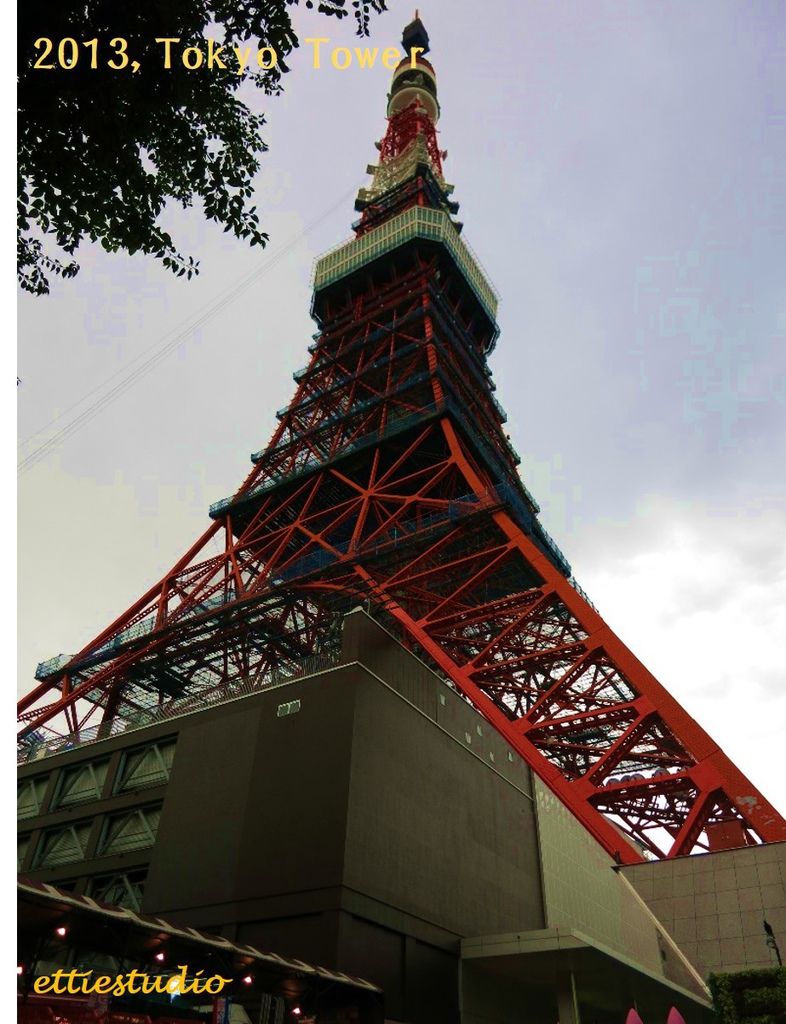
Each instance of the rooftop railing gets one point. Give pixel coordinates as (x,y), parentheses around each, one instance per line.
(36,746)
(416,222)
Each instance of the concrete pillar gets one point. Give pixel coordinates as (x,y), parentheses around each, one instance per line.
(567,999)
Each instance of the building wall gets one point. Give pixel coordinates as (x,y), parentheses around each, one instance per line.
(255,809)
(714,904)
(369,830)
(584,891)
(429,769)
(496,997)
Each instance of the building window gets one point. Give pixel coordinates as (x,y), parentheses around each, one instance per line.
(81,783)
(146,766)
(30,796)
(63,845)
(121,890)
(132,830)
(290,708)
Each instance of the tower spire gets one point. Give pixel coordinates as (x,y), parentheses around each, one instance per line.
(415,34)
(409,153)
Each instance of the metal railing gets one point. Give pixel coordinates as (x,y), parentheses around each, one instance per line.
(35,746)
(416,222)
(396,424)
(582,592)
(142,628)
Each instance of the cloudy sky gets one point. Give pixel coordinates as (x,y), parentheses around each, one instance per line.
(621,173)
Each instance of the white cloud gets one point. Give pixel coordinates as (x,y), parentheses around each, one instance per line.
(699,594)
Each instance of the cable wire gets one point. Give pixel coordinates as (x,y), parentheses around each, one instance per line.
(160,350)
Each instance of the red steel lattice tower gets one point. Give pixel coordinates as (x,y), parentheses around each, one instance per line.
(389,482)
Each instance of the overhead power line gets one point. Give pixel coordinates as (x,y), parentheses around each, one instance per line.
(131,374)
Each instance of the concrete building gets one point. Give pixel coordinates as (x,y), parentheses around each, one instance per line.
(715,905)
(366,818)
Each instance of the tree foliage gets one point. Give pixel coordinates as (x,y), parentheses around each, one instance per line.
(102,149)
(750,997)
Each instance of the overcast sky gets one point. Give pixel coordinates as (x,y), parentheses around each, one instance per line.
(621,170)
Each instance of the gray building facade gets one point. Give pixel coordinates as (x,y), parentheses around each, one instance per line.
(365,817)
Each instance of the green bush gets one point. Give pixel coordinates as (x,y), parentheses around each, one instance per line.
(750,997)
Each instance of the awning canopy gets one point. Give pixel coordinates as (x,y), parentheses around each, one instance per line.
(121,931)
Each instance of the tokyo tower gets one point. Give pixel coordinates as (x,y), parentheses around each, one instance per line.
(389,482)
